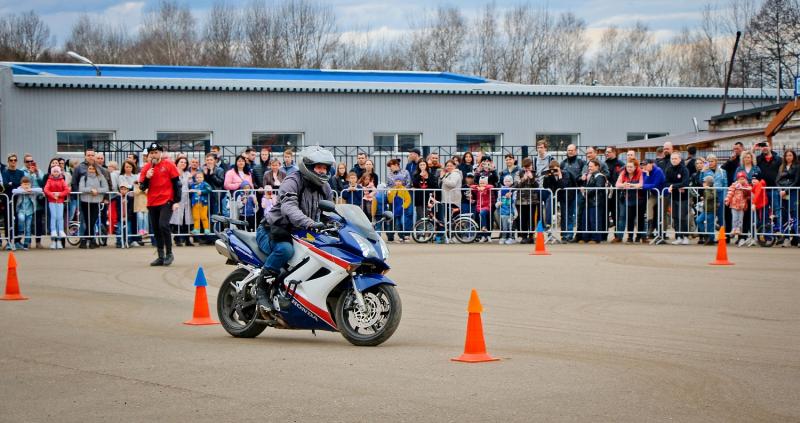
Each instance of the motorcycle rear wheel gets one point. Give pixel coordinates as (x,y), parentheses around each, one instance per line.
(376,324)
(244,325)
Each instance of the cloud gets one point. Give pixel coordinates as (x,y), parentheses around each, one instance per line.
(126,14)
(624,20)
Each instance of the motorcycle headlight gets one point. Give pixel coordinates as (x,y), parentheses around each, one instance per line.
(384,248)
(367,249)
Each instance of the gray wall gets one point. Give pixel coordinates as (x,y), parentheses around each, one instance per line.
(30,117)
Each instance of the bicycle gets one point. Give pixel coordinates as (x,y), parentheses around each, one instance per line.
(772,226)
(74,227)
(463,227)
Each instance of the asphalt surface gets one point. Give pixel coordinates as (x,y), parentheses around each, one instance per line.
(591,333)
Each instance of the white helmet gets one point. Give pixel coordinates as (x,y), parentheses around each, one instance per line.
(312,156)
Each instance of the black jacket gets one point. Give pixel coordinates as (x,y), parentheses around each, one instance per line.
(596,197)
(789,177)
(338,184)
(571,168)
(421,194)
(769,169)
(678,177)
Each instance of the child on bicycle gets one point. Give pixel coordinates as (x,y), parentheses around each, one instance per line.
(738,199)
(507,207)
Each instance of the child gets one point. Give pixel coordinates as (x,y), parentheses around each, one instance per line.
(468,201)
(369,196)
(248,204)
(507,207)
(25,209)
(482,195)
(200,197)
(737,199)
(399,199)
(267,202)
(140,208)
(707,207)
(354,192)
(118,217)
(57,192)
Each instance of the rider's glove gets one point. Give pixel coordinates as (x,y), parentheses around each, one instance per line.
(317,226)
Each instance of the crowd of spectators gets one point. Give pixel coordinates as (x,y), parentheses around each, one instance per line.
(595,199)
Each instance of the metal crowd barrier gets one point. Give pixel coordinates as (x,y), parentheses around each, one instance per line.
(777,221)
(6,227)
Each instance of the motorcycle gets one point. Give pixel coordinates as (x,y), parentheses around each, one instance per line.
(335,281)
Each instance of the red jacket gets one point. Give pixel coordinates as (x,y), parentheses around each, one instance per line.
(483,199)
(759,194)
(54,185)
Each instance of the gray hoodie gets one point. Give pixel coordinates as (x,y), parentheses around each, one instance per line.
(89,181)
(298,203)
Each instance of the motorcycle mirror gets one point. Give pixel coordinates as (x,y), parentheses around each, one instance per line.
(327,206)
(387,215)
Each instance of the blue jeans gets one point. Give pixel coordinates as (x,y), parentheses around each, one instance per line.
(567,201)
(506,222)
(545,209)
(705,223)
(24,222)
(56,217)
(622,212)
(592,219)
(278,253)
(484,222)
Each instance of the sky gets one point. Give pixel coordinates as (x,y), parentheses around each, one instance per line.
(390,18)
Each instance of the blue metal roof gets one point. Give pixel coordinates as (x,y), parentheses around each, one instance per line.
(197,72)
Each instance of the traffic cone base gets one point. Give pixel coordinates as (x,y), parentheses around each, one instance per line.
(722,250)
(475,358)
(201,321)
(12,283)
(475,346)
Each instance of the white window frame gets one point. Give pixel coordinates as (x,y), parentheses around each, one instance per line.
(498,148)
(396,146)
(97,131)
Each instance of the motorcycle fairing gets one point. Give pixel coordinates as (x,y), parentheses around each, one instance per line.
(364,282)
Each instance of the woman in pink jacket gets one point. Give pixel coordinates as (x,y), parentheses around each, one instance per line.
(238,173)
(56,191)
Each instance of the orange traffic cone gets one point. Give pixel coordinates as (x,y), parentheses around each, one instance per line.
(201,314)
(12,284)
(722,250)
(475,347)
(540,249)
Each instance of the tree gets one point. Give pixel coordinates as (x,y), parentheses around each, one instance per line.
(307,33)
(775,36)
(262,43)
(24,37)
(167,36)
(222,36)
(100,42)
(437,42)
(483,58)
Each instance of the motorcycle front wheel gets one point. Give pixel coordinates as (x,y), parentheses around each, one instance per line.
(373,324)
(237,310)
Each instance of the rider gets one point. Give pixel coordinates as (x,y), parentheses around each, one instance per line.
(297,208)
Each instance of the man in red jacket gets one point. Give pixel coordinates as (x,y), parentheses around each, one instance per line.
(160,178)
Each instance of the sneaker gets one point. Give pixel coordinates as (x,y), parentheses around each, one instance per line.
(195,231)
(502,241)
(511,241)
(53,244)
(168,259)
(24,247)
(135,244)
(158,261)
(59,246)
(207,232)
(62,234)
(684,241)
(741,243)
(53,234)
(676,242)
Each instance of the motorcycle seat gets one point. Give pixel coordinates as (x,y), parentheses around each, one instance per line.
(249,238)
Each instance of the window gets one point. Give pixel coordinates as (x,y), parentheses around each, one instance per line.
(558,142)
(390,142)
(277,142)
(197,140)
(479,142)
(636,136)
(75,141)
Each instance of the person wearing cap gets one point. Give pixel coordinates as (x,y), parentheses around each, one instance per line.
(297,208)
(413,159)
(161,179)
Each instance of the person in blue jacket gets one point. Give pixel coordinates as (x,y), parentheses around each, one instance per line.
(653,184)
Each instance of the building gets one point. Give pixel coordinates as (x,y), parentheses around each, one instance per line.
(745,126)
(53,108)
